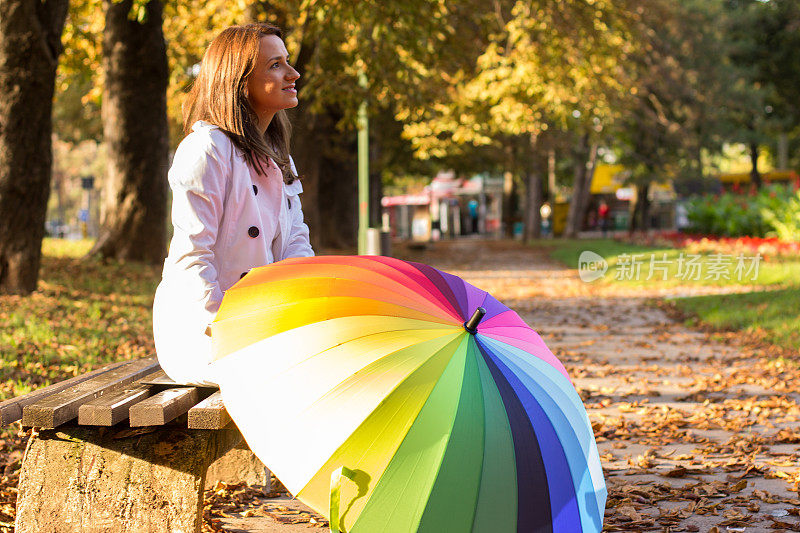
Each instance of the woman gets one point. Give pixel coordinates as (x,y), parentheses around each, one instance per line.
(235,191)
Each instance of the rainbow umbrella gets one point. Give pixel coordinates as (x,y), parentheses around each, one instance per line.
(390,396)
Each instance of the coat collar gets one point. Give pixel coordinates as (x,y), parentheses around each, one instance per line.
(202,124)
(295,188)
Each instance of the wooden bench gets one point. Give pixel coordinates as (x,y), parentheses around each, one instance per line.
(120,449)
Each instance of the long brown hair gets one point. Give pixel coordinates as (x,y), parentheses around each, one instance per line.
(219,96)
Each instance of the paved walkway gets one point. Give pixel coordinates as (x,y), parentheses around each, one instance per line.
(696,431)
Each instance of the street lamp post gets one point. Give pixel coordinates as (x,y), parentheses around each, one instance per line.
(363,170)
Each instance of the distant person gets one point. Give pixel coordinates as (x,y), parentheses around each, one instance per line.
(603,213)
(473,215)
(681,217)
(235,190)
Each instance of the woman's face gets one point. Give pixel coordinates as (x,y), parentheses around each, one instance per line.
(271,84)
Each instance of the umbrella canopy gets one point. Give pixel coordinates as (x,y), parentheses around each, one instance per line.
(442,409)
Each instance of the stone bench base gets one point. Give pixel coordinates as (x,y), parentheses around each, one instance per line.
(240,465)
(107,480)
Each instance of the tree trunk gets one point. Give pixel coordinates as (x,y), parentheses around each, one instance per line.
(755,175)
(584,169)
(514,206)
(632,211)
(58,183)
(551,175)
(639,209)
(326,158)
(533,215)
(135,130)
(30,43)
(783,151)
(699,162)
(508,187)
(533,204)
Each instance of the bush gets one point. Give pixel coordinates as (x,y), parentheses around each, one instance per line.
(773,212)
(782,213)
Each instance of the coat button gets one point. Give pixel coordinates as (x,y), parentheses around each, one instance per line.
(289,201)
(255,189)
(253,232)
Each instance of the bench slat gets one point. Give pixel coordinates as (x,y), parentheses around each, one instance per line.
(63,406)
(155,378)
(11,409)
(112,407)
(209,414)
(162,379)
(163,407)
(159,378)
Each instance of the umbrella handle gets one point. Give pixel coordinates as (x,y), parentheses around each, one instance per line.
(471,325)
(336,485)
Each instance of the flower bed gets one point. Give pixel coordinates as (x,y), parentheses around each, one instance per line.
(768,247)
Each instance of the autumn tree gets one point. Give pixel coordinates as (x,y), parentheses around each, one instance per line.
(133,59)
(550,67)
(135,130)
(764,48)
(30,45)
(403,48)
(679,84)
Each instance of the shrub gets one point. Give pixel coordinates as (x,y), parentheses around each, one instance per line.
(782,213)
(773,212)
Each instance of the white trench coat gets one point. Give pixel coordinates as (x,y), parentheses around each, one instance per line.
(214,211)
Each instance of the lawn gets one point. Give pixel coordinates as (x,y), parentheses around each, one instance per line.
(773,316)
(84,314)
(770,311)
(633,265)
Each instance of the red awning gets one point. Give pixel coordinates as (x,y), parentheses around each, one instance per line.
(405,199)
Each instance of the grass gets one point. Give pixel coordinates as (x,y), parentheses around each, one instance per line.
(770,311)
(84,314)
(630,264)
(773,316)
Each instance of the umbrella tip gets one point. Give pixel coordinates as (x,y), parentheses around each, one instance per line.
(471,325)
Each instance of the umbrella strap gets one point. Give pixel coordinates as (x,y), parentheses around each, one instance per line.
(336,485)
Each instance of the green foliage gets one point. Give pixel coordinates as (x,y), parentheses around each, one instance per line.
(773,212)
(402,46)
(678,83)
(766,47)
(471,84)
(547,65)
(729,215)
(782,213)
